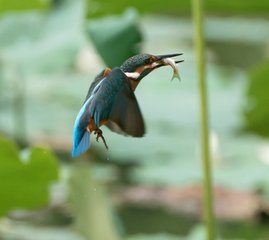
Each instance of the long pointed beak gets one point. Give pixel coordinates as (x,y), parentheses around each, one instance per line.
(160,57)
(180,61)
(162,62)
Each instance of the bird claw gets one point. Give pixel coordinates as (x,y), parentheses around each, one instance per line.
(99,134)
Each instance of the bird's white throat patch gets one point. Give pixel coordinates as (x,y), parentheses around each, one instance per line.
(133,75)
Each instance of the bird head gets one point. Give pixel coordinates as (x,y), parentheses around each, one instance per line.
(142,64)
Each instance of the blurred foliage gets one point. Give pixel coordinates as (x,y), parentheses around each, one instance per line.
(25,178)
(27,231)
(256,114)
(15,5)
(102,7)
(175,6)
(227,52)
(50,41)
(116,37)
(32,40)
(198,232)
(154,237)
(92,213)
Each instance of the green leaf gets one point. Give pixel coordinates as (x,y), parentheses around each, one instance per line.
(116,38)
(25,183)
(256,114)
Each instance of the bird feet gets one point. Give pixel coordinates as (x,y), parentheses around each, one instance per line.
(99,134)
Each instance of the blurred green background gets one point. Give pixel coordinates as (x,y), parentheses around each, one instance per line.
(140,189)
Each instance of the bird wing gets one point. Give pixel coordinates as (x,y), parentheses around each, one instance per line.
(115,101)
(125,116)
(97,79)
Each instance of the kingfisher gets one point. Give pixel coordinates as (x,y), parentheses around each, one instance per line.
(111,100)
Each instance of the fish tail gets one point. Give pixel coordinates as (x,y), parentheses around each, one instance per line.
(176,75)
(81,142)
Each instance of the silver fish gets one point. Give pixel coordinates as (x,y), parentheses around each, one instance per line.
(171,62)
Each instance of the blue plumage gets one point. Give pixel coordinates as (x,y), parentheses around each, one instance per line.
(112,99)
(83,145)
(81,142)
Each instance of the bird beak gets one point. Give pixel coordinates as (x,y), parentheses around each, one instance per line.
(161,59)
(164,60)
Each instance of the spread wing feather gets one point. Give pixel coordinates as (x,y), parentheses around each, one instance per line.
(126,113)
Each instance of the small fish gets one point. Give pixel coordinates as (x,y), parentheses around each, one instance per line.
(172,63)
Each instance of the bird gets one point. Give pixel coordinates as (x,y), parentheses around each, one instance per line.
(111,101)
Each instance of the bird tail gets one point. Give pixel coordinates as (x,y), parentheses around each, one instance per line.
(81,142)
